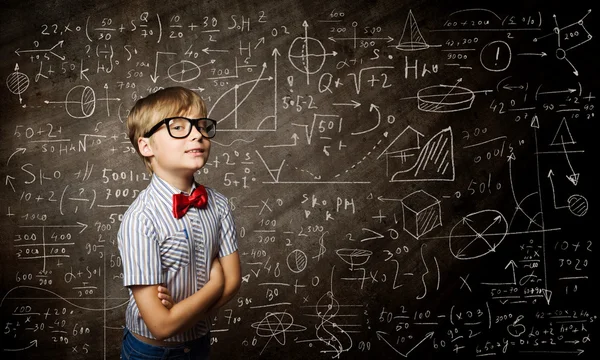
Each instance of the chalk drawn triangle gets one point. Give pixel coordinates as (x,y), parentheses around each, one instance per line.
(563,134)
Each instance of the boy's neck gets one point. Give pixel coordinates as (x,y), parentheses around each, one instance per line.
(179,182)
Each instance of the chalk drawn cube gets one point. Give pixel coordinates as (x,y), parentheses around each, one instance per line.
(421,213)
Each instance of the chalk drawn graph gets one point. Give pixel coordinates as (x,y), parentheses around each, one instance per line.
(433,162)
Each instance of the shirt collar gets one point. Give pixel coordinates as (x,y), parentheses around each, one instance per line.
(165,190)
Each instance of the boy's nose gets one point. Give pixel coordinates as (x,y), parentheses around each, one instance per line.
(195,133)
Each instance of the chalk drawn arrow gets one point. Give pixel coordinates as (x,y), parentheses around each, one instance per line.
(547,295)
(371,108)
(577,351)
(208,51)
(382,199)
(31,344)
(573,177)
(550,173)
(352,103)
(387,39)
(19,150)
(512,87)
(79,225)
(295,138)
(60,44)
(542,54)
(9,182)
(513,266)
(479,235)
(155,76)
(570,91)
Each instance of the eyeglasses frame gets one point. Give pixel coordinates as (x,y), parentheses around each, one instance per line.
(194,123)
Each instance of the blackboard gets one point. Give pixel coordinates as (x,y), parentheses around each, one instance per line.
(409,179)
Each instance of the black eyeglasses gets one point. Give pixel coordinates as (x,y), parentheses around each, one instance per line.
(180,127)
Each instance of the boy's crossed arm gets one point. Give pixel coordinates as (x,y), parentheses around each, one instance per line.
(233,280)
(164,321)
(225,270)
(232,273)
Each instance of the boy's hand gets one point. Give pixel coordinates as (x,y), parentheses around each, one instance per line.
(165,297)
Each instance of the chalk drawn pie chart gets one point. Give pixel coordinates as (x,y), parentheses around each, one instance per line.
(477,234)
(445,98)
(296,261)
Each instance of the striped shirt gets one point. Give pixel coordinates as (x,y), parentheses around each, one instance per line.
(157,248)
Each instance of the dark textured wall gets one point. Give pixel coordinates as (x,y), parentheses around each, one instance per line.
(408,178)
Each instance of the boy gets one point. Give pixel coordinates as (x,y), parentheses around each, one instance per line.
(187,244)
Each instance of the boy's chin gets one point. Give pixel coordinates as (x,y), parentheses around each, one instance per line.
(198,168)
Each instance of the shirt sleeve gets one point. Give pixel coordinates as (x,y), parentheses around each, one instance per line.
(140,251)
(228,243)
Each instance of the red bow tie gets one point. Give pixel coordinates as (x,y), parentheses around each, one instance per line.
(182,202)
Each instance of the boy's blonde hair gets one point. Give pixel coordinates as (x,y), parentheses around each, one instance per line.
(167,102)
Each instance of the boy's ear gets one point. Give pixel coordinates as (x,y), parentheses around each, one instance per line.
(144,146)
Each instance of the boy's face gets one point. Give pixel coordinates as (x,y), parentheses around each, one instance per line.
(175,159)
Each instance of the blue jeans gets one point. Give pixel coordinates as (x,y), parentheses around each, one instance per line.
(134,349)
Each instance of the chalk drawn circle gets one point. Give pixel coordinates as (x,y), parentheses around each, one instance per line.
(561,54)
(184,71)
(297,261)
(80,102)
(445,98)
(304,61)
(476,234)
(496,56)
(17,82)
(354,257)
(578,205)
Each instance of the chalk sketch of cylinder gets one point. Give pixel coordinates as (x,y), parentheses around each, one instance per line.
(445,98)
(421,213)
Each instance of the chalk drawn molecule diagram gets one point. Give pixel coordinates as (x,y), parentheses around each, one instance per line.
(568,38)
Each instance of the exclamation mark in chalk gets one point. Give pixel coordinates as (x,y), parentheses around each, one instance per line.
(497,54)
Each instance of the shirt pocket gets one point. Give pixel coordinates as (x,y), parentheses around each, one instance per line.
(175,251)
